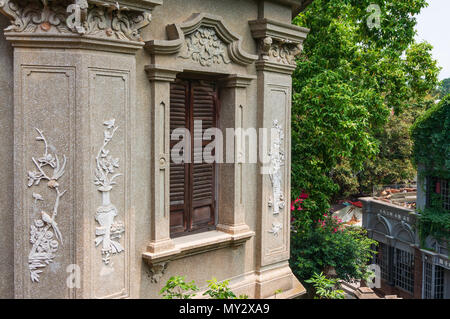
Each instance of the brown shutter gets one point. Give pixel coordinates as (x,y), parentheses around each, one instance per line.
(204,100)
(179,199)
(192,185)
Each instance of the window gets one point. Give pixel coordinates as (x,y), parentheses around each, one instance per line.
(439,283)
(442,188)
(428,282)
(404,270)
(192,185)
(434,282)
(382,260)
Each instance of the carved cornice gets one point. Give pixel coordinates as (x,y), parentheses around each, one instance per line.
(279,44)
(205,39)
(161,73)
(77,18)
(236,81)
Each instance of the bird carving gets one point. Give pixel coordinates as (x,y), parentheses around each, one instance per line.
(50,221)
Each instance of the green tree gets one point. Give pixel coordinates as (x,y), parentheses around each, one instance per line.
(445,88)
(393,164)
(356,91)
(349,79)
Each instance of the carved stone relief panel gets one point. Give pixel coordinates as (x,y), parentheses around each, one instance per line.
(109,231)
(276,183)
(204,39)
(205,47)
(276,155)
(110,236)
(45,235)
(280,51)
(102,20)
(44,215)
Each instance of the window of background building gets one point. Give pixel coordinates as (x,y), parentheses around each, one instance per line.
(404,270)
(433,282)
(441,187)
(382,260)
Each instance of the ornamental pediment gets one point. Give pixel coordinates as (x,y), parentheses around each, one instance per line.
(204,39)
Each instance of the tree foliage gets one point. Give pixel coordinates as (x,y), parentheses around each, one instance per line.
(349,79)
(325,288)
(326,243)
(444,88)
(431,135)
(356,91)
(177,288)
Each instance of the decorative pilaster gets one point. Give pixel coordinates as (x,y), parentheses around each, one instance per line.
(74,70)
(160,78)
(278,46)
(231,172)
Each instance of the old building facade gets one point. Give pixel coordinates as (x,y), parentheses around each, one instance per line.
(410,267)
(92,204)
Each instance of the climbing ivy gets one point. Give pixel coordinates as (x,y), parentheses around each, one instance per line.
(434,221)
(431,135)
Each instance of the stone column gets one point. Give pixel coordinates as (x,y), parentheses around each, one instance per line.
(160,78)
(231,172)
(74,82)
(278,45)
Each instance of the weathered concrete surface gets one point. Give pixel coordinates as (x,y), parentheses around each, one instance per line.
(6,167)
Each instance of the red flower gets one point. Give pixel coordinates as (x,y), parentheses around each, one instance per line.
(357,204)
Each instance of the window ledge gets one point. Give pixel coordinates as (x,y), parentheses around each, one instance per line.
(197,244)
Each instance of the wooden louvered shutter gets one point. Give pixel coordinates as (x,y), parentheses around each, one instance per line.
(179,179)
(192,185)
(203,101)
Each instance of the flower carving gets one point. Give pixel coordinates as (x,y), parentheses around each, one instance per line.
(109,231)
(205,47)
(45,235)
(276,155)
(276,229)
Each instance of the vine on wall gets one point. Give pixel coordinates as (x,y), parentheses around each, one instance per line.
(431,135)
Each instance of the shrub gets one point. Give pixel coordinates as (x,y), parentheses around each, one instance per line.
(177,288)
(325,288)
(327,243)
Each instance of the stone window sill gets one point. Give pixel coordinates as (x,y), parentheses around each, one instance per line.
(197,244)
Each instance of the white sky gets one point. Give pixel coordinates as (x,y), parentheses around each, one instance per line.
(433,26)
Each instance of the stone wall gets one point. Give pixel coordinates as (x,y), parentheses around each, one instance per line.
(6,167)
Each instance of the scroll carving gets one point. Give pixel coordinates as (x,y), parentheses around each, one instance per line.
(156,271)
(45,235)
(104,21)
(276,155)
(276,229)
(109,231)
(280,51)
(205,47)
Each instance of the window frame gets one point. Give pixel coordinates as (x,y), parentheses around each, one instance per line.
(189,228)
(444,191)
